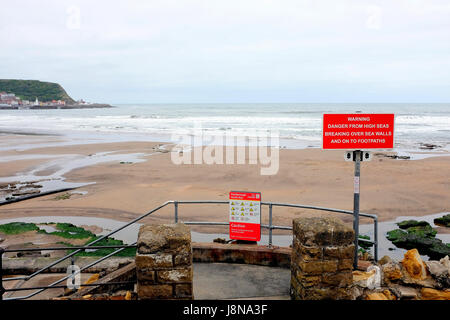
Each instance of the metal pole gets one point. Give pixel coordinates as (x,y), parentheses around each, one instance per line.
(375,238)
(270,225)
(72,262)
(176,211)
(357,160)
(2,290)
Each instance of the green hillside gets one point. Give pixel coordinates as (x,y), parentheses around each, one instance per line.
(30,89)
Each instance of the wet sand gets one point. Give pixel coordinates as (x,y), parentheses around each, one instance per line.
(122,191)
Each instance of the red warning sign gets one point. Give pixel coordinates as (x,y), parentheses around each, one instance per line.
(245,216)
(358,131)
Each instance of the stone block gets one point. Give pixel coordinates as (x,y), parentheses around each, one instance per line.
(182,259)
(309,253)
(164,238)
(183,291)
(156,291)
(145,275)
(322,231)
(155,260)
(340,279)
(345,264)
(175,275)
(317,267)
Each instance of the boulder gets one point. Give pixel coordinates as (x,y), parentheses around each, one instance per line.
(403,292)
(392,271)
(370,279)
(414,265)
(443,221)
(433,294)
(412,223)
(384,260)
(440,271)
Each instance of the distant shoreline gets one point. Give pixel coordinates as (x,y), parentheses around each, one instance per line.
(73,106)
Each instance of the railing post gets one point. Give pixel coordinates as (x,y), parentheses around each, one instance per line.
(270,224)
(2,290)
(175,203)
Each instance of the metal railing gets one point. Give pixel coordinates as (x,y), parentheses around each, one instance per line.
(270,226)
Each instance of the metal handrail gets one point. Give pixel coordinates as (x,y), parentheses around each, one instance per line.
(269,226)
(50,286)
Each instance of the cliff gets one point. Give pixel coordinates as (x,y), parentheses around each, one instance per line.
(30,89)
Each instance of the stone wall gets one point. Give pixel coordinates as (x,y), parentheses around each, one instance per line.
(322,259)
(164,262)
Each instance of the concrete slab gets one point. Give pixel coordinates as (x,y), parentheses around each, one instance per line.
(240,281)
(212,281)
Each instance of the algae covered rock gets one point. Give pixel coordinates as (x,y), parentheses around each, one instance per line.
(443,221)
(412,223)
(420,235)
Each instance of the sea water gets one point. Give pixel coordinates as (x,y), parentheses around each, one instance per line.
(298,125)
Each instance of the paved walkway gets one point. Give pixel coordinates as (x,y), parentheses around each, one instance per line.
(238,281)
(211,281)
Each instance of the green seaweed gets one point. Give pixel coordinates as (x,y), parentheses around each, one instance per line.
(69,231)
(18,227)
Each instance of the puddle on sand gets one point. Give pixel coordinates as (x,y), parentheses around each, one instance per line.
(50,175)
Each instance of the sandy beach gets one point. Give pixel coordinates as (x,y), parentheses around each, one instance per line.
(125,189)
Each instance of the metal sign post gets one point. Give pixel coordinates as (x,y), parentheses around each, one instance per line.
(357,132)
(357,159)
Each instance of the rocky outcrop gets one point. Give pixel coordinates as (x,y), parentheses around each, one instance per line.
(410,279)
(421,236)
(414,265)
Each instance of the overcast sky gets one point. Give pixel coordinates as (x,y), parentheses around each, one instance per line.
(231,51)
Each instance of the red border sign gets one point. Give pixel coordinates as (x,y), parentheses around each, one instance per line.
(358,131)
(245,216)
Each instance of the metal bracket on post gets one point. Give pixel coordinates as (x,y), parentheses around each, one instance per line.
(357,158)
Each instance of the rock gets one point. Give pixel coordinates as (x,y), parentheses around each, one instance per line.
(384,260)
(405,292)
(429,146)
(443,221)
(440,270)
(363,265)
(315,231)
(376,296)
(412,223)
(162,238)
(421,238)
(1,240)
(370,279)
(389,294)
(413,264)
(432,294)
(392,271)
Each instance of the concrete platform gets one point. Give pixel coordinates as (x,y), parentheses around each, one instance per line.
(240,281)
(215,281)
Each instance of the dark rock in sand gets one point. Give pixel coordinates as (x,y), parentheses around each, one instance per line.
(411,223)
(420,235)
(443,221)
